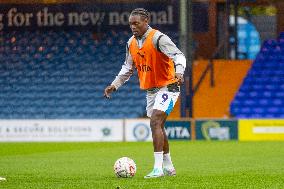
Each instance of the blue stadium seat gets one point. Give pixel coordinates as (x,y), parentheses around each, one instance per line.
(261,95)
(62,75)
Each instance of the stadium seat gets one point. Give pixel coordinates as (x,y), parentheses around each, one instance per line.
(62,75)
(262,91)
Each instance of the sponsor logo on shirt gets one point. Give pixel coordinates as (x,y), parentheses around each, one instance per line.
(144,68)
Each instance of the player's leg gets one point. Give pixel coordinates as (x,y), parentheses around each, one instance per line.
(158,144)
(159,104)
(168,166)
(169,96)
(166,147)
(157,127)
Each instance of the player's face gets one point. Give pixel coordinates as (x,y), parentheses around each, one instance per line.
(138,25)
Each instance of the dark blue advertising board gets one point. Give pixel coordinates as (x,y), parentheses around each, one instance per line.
(178,130)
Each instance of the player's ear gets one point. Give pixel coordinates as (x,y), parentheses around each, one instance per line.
(146,21)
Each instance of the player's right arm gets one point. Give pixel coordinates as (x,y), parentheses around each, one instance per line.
(124,74)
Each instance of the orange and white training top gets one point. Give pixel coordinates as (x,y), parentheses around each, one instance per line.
(156,59)
(154,68)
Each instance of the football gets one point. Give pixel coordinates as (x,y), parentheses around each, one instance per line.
(124,167)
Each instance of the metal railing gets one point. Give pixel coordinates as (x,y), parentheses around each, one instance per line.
(209,68)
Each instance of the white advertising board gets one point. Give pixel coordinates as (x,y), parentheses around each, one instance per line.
(138,130)
(61,130)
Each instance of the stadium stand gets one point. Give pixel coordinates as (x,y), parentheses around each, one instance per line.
(261,94)
(62,75)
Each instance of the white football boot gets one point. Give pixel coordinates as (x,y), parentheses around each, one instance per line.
(169,171)
(155,173)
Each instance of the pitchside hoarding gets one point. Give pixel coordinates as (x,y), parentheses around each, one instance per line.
(88,130)
(61,130)
(261,129)
(139,130)
(216,129)
(178,130)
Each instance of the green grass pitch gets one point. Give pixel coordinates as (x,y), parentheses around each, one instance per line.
(202,164)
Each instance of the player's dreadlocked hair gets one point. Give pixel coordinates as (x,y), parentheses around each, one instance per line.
(140,11)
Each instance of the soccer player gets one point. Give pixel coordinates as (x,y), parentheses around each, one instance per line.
(160,66)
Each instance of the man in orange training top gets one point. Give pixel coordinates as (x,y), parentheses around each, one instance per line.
(160,66)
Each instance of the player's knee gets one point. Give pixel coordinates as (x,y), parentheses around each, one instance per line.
(154,123)
(157,119)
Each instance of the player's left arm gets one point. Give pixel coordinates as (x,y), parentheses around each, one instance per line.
(167,46)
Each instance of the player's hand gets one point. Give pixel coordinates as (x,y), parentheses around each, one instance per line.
(108,90)
(180,78)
